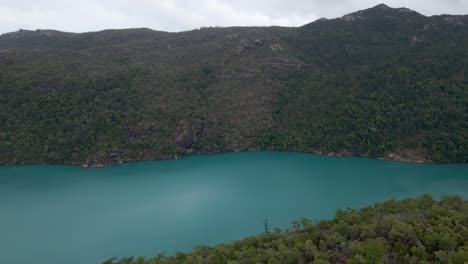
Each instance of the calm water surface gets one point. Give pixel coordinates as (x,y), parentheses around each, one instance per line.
(65,214)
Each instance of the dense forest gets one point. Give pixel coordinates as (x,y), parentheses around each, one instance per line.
(382,82)
(420,230)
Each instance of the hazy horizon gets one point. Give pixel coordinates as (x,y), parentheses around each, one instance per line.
(177,15)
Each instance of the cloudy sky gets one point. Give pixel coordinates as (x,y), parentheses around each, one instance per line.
(177,15)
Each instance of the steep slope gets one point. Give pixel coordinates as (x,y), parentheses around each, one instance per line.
(382,82)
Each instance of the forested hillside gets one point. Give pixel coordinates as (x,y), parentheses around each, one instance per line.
(381,82)
(410,231)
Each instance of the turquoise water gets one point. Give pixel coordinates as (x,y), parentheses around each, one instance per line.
(65,214)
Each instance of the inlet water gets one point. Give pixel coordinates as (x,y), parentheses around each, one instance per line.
(66,214)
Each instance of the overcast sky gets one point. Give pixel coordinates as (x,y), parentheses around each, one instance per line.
(177,15)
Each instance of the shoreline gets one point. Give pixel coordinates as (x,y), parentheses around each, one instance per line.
(388,157)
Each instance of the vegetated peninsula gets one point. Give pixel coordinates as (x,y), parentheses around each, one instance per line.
(383,82)
(410,231)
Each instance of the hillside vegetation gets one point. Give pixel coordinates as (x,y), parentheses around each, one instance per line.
(410,231)
(381,82)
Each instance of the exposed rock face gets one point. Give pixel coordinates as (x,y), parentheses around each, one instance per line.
(230,38)
(406,155)
(417,39)
(351,18)
(259,42)
(113,158)
(276,47)
(454,21)
(188,135)
(240,49)
(246,44)
(91,161)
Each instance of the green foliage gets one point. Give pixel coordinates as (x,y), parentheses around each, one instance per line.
(419,230)
(381,82)
(371,251)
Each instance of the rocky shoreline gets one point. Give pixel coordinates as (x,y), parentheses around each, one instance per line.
(391,156)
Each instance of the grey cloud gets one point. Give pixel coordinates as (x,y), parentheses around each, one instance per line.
(177,15)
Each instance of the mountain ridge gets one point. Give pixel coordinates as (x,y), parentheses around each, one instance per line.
(379,7)
(388,86)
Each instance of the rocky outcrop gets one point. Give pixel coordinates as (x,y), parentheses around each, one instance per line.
(454,21)
(276,47)
(407,155)
(188,135)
